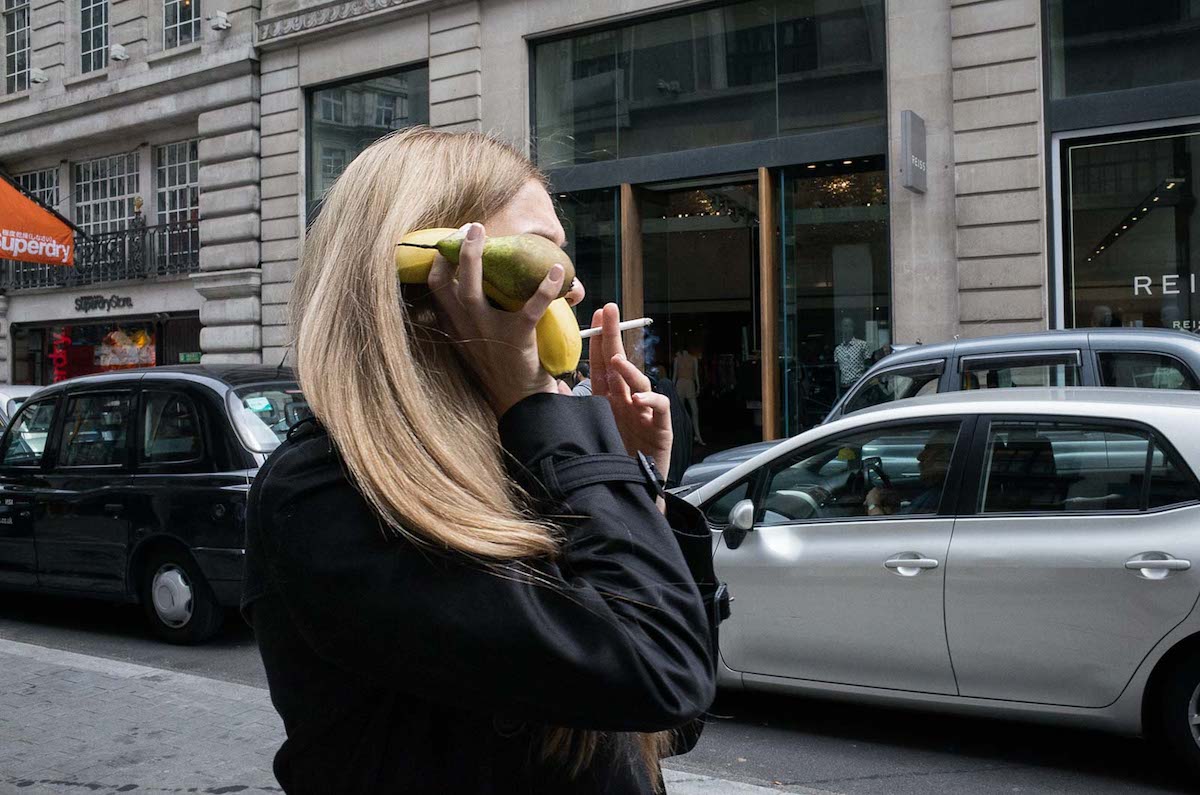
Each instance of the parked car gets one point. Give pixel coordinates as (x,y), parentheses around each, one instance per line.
(131,486)
(11,398)
(1112,357)
(1024,555)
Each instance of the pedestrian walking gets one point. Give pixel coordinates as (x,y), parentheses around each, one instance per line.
(462,580)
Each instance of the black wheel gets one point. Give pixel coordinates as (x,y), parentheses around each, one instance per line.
(178,602)
(1179,712)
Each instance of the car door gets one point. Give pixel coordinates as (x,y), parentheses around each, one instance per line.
(22,478)
(82,527)
(841,578)
(1075,562)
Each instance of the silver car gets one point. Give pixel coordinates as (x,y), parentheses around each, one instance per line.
(1017,553)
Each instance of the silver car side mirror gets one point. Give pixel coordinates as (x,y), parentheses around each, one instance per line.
(742,515)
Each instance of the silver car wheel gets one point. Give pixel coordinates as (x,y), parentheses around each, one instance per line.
(172,596)
(1194,714)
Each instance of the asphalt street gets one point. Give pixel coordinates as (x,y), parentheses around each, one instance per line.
(785,744)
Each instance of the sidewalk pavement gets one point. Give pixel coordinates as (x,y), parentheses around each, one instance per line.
(71,723)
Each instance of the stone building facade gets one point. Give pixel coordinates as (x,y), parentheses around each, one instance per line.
(733,169)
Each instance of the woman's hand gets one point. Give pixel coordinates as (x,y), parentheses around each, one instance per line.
(500,346)
(643,416)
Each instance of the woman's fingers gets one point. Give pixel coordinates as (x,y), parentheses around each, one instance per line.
(576,293)
(659,404)
(597,364)
(635,378)
(547,291)
(470,267)
(618,386)
(613,346)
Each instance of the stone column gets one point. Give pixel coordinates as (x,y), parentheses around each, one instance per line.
(454,68)
(999,165)
(230,276)
(282,194)
(924,270)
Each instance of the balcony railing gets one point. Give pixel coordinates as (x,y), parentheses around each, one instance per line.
(124,255)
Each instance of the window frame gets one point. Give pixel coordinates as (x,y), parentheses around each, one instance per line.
(1098,352)
(87,58)
(970,495)
(951,488)
(17,80)
(127,464)
(144,466)
(195,24)
(934,366)
(51,435)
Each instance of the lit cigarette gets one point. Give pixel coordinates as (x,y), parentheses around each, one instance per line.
(641,322)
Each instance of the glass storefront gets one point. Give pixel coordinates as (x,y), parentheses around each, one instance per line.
(1109,45)
(836,283)
(1130,221)
(700,269)
(47,354)
(345,119)
(743,72)
(591,220)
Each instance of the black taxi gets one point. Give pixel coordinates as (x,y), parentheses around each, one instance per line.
(131,485)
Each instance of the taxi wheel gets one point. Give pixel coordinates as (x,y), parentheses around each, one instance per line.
(1179,712)
(177,600)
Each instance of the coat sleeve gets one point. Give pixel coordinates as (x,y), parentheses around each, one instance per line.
(612,635)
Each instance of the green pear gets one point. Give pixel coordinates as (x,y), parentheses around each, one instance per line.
(515,265)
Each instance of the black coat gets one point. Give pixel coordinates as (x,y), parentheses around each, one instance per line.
(399,670)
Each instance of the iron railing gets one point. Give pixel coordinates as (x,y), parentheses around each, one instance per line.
(128,254)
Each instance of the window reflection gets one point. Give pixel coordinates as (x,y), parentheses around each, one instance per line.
(346,119)
(590,219)
(738,73)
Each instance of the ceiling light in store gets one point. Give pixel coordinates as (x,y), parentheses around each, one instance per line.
(1155,198)
(812,165)
(1123,226)
(1170,185)
(1145,209)
(847,162)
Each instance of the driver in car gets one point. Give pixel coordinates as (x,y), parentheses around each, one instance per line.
(933,462)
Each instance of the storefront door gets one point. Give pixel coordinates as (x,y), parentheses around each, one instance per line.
(699,246)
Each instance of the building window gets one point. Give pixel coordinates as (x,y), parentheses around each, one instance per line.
(345,119)
(181,22)
(1129,221)
(333,107)
(1109,45)
(93,34)
(42,185)
(743,72)
(104,192)
(177,181)
(16,45)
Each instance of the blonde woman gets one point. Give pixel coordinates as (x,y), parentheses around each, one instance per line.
(460,580)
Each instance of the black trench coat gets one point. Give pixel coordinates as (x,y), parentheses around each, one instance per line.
(396,670)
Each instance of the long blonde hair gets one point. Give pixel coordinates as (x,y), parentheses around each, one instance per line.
(416,433)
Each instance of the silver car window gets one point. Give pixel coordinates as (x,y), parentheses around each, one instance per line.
(896,470)
(895,385)
(1144,371)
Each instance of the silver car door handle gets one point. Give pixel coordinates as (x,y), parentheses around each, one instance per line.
(911,563)
(1170,564)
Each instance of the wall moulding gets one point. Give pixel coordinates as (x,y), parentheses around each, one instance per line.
(330,16)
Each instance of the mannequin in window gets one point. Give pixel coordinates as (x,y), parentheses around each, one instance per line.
(685,372)
(850,356)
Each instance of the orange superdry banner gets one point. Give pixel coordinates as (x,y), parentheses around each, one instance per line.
(31,233)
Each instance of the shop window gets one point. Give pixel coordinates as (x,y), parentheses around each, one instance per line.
(95,431)
(105,189)
(345,119)
(93,35)
(16,45)
(181,22)
(1131,229)
(591,221)
(1109,45)
(836,283)
(742,72)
